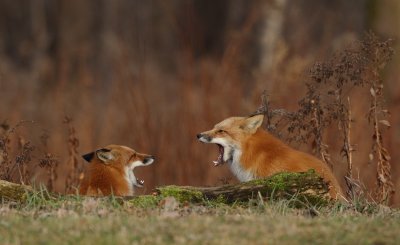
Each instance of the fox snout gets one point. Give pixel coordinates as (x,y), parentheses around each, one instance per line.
(142,160)
(148,160)
(204,137)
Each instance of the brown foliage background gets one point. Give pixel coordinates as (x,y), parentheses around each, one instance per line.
(152,74)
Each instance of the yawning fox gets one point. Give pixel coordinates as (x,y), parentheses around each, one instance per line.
(254,153)
(110,171)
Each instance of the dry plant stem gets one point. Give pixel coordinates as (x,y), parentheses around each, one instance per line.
(268,113)
(7,166)
(348,148)
(271,115)
(52,175)
(75,172)
(23,159)
(264,108)
(5,163)
(384,182)
(50,163)
(321,148)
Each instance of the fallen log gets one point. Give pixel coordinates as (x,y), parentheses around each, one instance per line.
(13,192)
(302,189)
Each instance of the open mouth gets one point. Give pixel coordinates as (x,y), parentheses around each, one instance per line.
(220,159)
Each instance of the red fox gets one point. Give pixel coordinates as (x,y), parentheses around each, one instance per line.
(254,153)
(110,171)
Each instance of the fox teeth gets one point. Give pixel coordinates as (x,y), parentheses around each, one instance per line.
(216,163)
(140,182)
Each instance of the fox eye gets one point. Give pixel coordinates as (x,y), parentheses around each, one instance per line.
(221,131)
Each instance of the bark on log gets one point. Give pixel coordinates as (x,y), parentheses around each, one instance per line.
(303,188)
(13,192)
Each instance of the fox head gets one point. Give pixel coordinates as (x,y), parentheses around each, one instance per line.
(229,134)
(122,157)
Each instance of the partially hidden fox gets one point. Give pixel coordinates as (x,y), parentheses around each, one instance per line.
(110,171)
(252,152)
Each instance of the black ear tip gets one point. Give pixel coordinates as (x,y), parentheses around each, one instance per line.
(88,157)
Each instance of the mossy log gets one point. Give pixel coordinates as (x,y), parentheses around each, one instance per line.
(302,188)
(13,192)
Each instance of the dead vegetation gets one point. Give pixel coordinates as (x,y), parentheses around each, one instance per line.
(327,104)
(75,174)
(8,165)
(21,159)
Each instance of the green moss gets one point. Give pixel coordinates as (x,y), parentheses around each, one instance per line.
(280,186)
(291,186)
(283,180)
(181,194)
(145,201)
(13,192)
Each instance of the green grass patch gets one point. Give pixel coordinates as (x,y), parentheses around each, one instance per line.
(145,201)
(83,220)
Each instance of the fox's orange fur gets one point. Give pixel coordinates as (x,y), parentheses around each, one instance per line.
(253,153)
(110,171)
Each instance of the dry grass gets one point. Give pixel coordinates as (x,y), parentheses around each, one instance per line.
(103,221)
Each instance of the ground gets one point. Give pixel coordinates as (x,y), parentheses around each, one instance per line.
(73,219)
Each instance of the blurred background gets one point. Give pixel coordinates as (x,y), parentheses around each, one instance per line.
(152,74)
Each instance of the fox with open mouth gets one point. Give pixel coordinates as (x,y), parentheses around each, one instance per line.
(110,171)
(252,152)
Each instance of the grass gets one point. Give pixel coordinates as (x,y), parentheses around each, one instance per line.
(74,219)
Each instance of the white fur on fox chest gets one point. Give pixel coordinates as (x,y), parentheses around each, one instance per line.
(131,179)
(237,169)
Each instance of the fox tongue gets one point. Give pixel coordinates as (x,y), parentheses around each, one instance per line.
(220,160)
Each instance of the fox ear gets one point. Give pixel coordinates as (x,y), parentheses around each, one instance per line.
(104,155)
(88,157)
(251,124)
